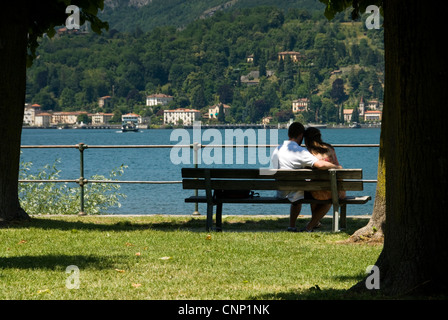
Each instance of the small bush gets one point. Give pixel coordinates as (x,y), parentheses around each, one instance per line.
(60,198)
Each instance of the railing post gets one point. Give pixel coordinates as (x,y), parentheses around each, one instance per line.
(81,181)
(195,161)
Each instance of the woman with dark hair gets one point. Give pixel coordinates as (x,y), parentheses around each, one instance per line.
(322,151)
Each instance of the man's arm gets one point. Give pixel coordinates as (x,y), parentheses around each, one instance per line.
(325,165)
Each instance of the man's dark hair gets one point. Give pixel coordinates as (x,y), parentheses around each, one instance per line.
(295,129)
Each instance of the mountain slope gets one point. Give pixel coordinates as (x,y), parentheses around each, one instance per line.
(129,15)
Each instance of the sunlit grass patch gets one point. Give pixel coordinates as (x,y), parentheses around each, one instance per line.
(173,257)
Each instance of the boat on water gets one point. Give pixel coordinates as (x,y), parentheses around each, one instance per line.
(129,126)
(81,125)
(355,125)
(316,125)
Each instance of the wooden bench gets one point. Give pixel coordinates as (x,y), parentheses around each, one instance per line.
(267,179)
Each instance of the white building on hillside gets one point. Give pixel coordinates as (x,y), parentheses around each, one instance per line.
(300,105)
(374,105)
(101,118)
(42,119)
(188,116)
(373,115)
(158,99)
(66,117)
(103,101)
(295,56)
(213,111)
(30,113)
(348,114)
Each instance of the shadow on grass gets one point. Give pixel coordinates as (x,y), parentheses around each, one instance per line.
(313,293)
(316,293)
(170,224)
(55,262)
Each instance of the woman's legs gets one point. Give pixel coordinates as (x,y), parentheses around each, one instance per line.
(318,211)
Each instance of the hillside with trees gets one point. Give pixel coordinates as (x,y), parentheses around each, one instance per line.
(206,62)
(129,15)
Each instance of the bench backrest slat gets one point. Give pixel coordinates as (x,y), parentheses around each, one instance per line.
(314,185)
(224,173)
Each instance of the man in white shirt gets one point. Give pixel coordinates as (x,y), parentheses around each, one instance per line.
(290,155)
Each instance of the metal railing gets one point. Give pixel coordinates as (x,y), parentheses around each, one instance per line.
(82,181)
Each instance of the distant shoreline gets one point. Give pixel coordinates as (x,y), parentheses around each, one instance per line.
(204,126)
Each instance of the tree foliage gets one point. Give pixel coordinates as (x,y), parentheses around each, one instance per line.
(48,14)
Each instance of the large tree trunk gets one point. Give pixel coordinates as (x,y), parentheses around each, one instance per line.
(13,48)
(415,151)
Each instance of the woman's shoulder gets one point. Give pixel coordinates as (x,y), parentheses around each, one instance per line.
(321,156)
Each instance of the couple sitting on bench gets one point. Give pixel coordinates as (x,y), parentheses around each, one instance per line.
(317,154)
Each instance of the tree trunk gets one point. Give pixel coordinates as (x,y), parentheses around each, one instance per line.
(415,152)
(374,230)
(13,49)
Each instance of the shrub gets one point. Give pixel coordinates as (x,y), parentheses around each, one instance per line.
(60,198)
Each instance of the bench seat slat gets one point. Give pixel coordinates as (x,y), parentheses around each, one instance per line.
(273,200)
(316,174)
(355,200)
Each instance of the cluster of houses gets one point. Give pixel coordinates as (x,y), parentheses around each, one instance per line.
(370,111)
(367,112)
(36,117)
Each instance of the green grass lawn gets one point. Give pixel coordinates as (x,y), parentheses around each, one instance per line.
(172,257)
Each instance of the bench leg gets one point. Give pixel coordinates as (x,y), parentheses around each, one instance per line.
(209,223)
(219,217)
(343,220)
(335,227)
(334,199)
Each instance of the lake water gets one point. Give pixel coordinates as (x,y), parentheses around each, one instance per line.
(157,165)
